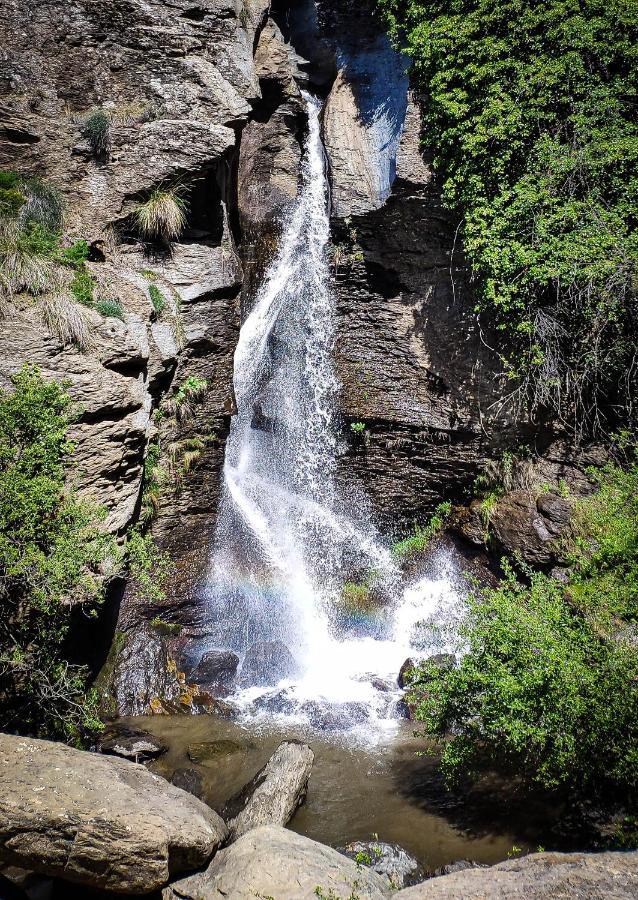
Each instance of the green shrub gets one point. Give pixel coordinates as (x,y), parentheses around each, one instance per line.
(52,550)
(149,567)
(548,688)
(157,299)
(529,112)
(357,427)
(75,255)
(110,309)
(417,542)
(82,286)
(162,216)
(96,128)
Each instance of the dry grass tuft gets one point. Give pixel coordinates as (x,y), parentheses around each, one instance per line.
(162,216)
(67,320)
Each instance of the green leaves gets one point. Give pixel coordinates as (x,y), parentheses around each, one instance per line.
(529,110)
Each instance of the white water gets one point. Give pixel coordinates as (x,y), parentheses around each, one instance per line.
(286,541)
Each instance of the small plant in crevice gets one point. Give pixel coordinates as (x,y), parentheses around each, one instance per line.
(182,404)
(357,427)
(153,481)
(166,629)
(162,217)
(158,300)
(110,309)
(420,539)
(96,128)
(183,455)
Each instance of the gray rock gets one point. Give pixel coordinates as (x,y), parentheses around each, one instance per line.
(460,865)
(189,780)
(216,668)
(524,526)
(400,867)
(274,862)
(98,820)
(275,792)
(577,876)
(129,743)
(266,663)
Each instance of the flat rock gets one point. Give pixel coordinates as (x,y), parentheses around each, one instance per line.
(274,862)
(131,744)
(275,792)
(391,860)
(98,820)
(577,876)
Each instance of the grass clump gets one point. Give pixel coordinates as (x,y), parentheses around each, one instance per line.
(162,217)
(52,551)
(548,688)
(110,309)
(96,128)
(182,403)
(417,542)
(158,300)
(67,321)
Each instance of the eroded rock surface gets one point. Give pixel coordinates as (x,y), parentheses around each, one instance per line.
(98,820)
(274,862)
(275,792)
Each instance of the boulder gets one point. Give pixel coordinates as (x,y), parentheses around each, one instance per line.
(407,666)
(459,865)
(528,528)
(267,663)
(129,743)
(273,862)
(216,668)
(400,867)
(590,876)
(98,820)
(275,792)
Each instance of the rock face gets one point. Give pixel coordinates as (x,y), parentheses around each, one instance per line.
(577,876)
(98,820)
(391,860)
(274,862)
(275,792)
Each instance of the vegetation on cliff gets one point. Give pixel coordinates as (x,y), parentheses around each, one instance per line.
(548,687)
(530,114)
(54,554)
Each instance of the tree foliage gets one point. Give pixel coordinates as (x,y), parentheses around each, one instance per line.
(529,109)
(548,687)
(53,552)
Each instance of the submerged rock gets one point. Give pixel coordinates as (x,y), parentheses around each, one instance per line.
(129,743)
(267,663)
(98,820)
(335,716)
(189,780)
(603,876)
(275,792)
(391,860)
(273,862)
(211,751)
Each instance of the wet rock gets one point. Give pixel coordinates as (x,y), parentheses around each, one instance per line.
(400,867)
(275,792)
(204,703)
(526,527)
(216,669)
(145,678)
(279,702)
(380,684)
(98,820)
(537,877)
(460,865)
(209,752)
(11,891)
(335,716)
(408,666)
(189,780)
(469,522)
(273,862)
(129,743)
(267,663)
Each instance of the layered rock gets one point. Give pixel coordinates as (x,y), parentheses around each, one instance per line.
(98,820)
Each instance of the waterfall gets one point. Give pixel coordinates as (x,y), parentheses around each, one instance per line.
(285,539)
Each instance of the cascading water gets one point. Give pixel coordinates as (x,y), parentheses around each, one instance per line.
(285,540)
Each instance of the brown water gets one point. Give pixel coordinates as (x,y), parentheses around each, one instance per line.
(357,793)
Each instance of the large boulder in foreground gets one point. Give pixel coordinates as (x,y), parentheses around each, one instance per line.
(577,876)
(98,820)
(274,862)
(275,792)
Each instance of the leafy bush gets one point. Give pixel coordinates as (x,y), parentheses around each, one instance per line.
(110,309)
(52,549)
(76,254)
(549,685)
(82,286)
(417,542)
(149,567)
(528,109)
(157,299)
(162,216)
(96,128)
